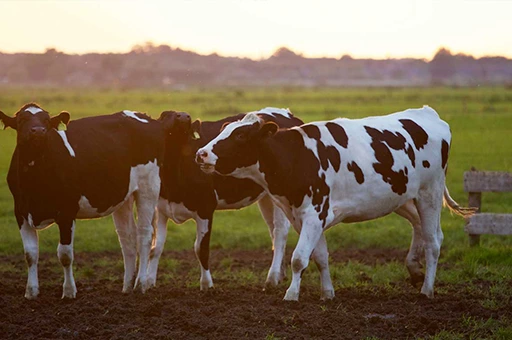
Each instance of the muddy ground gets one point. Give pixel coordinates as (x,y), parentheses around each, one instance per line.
(233,310)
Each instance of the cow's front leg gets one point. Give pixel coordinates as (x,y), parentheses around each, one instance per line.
(308,239)
(202,250)
(65,253)
(31,248)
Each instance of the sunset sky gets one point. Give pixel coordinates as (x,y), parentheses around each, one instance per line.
(256,28)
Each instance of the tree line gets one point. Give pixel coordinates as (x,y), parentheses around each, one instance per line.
(151,65)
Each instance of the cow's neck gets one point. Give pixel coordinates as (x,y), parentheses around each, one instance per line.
(177,156)
(36,178)
(274,156)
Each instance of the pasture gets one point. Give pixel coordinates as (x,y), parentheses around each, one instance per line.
(373,297)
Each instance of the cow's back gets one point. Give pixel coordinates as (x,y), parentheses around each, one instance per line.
(386,161)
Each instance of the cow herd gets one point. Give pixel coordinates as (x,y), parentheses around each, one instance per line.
(311,176)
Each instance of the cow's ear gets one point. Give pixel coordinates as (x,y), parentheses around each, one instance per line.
(224,126)
(11,122)
(196,129)
(268,129)
(62,118)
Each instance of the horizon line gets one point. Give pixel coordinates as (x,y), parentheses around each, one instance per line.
(263,56)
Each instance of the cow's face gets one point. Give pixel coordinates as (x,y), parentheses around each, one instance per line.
(236,147)
(33,123)
(176,123)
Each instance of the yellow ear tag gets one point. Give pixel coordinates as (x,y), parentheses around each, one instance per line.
(196,135)
(62,127)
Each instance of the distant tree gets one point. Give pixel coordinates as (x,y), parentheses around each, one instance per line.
(443,66)
(285,53)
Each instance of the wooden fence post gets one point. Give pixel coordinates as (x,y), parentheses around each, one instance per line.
(475,201)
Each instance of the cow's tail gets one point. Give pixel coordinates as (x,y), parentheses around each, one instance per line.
(465,212)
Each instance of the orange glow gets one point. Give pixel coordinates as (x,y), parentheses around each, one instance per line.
(256,28)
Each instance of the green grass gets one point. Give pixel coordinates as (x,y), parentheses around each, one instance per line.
(480,120)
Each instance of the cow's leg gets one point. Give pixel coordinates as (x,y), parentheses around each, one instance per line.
(321,257)
(308,239)
(429,204)
(202,249)
(278,226)
(415,255)
(158,247)
(127,234)
(31,248)
(65,253)
(146,203)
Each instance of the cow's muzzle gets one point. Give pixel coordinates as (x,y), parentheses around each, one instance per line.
(201,156)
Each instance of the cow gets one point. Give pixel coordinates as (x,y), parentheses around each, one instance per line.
(345,170)
(188,193)
(97,166)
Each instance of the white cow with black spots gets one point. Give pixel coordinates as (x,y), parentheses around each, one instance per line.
(344,170)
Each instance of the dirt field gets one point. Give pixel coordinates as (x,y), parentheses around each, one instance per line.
(176,310)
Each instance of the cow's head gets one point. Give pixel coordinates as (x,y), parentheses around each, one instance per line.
(32,123)
(236,147)
(179,124)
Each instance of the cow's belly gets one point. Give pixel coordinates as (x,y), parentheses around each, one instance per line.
(368,203)
(38,223)
(177,212)
(242,203)
(87,211)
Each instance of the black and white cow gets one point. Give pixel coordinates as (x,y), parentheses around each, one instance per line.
(188,193)
(344,170)
(98,166)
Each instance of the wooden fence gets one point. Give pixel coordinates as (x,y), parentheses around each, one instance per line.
(475,183)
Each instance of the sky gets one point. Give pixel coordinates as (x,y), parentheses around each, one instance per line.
(256,28)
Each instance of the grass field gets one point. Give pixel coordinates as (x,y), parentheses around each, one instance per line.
(481,124)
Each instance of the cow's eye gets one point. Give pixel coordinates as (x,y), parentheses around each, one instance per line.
(240,137)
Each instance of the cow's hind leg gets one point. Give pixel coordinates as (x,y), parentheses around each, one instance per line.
(429,204)
(146,203)
(202,250)
(65,253)
(158,247)
(415,254)
(127,234)
(146,200)
(31,248)
(278,226)
(321,257)
(308,239)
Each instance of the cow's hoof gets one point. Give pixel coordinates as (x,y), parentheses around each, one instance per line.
(69,293)
(428,293)
(152,282)
(31,293)
(127,289)
(291,296)
(327,295)
(206,285)
(272,281)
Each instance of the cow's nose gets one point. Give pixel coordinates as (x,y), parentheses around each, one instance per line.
(200,155)
(38,130)
(183,116)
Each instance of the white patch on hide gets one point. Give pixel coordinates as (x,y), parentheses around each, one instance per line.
(64,137)
(132,114)
(33,109)
(273,111)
